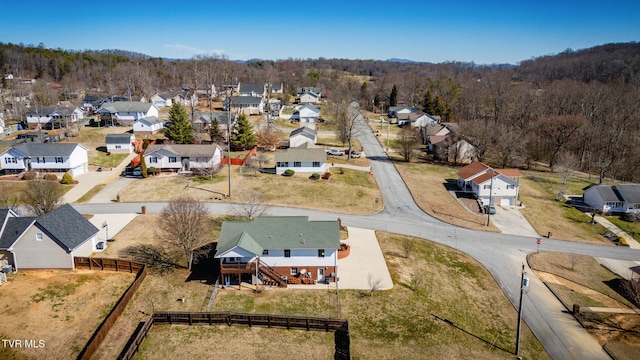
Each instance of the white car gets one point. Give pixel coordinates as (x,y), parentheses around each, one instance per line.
(335,152)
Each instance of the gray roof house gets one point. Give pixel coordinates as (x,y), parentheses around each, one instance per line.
(126,112)
(120,143)
(46,157)
(280,247)
(50,241)
(621,198)
(301,159)
(182,157)
(303,135)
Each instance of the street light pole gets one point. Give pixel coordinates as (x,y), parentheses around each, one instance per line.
(524,282)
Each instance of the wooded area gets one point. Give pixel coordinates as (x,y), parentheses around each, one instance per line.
(575,110)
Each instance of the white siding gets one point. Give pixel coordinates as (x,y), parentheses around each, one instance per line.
(306,167)
(45,254)
(300,258)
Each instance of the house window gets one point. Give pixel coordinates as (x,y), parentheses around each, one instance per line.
(39,237)
(153,159)
(283,164)
(487,187)
(59,159)
(316,164)
(320,252)
(287,253)
(297,164)
(511,186)
(172,159)
(9,160)
(293,271)
(265,252)
(118,146)
(40,160)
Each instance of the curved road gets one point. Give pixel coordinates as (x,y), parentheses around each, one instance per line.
(502,254)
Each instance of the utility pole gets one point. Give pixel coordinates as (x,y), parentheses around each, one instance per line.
(490,196)
(229,139)
(524,282)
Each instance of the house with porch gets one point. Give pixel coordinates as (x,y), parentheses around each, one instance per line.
(50,241)
(182,157)
(53,117)
(252,89)
(621,198)
(301,159)
(120,143)
(490,186)
(248,105)
(274,249)
(125,113)
(148,125)
(46,157)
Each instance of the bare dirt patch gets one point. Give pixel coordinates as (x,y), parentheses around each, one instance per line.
(62,308)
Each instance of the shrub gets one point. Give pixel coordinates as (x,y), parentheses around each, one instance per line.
(152,170)
(630,217)
(52,177)
(314,176)
(30,175)
(327,175)
(288,172)
(67,179)
(340,170)
(294,281)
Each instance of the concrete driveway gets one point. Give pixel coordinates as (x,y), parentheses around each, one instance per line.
(509,220)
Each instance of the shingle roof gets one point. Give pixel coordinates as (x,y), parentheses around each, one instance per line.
(245,100)
(151,120)
(184,150)
(304,131)
(47,149)
(118,139)
(468,171)
(279,232)
(257,88)
(68,226)
(127,106)
(301,155)
(13,229)
(605,192)
(629,192)
(41,110)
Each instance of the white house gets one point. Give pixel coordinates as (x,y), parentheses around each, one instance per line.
(496,186)
(50,241)
(167,99)
(47,157)
(303,135)
(125,113)
(621,198)
(309,98)
(277,248)
(421,120)
(248,105)
(148,125)
(308,115)
(120,143)
(252,89)
(301,160)
(181,157)
(53,117)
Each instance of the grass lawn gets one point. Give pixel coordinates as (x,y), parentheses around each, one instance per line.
(543,210)
(93,138)
(456,311)
(351,192)
(631,228)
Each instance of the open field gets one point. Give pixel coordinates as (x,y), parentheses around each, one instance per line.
(538,193)
(62,308)
(619,333)
(453,309)
(351,192)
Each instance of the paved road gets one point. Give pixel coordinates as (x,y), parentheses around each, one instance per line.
(501,254)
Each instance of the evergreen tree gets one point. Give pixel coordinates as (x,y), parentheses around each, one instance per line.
(243,136)
(376,101)
(179,129)
(214,130)
(393,97)
(428,104)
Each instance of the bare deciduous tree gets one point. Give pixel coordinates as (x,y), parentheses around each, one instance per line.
(348,126)
(374,284)
(8,199)
(251,204)
(407,247)
(185,225)
(409,139)
(43,196)
(417,278)
(566,164)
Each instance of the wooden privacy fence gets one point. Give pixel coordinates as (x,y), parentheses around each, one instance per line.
(114,265)
(339,327)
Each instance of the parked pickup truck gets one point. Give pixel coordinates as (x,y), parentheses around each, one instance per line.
(335,152)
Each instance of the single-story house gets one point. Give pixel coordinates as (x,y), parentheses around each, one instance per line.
(248,105)
(167,99)
(46,157)
(182,157)
(276,248)
(421,119)
(303,135)
(301,159)
(621,198)
(148,125)
(53,117)
(120,143)
(306,89)
(50,241)
(125,113)
(308,115)
(496,186)
(309,97)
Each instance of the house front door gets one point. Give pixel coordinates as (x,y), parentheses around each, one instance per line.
(320,274)
(185,164)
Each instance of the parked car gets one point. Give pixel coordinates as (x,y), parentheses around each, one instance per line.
(489,209)
(137,172)
(335,152)
(354,154)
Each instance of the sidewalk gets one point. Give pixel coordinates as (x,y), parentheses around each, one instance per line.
(633,244)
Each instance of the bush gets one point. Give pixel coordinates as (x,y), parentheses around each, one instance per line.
(152,170)
(327,175)
(30,175)
(340,170)
(52,177)
(67,179)
(314,176)
(630,217)
(288,172)
(294,281)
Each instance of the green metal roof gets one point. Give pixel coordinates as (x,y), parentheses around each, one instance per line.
(278,232)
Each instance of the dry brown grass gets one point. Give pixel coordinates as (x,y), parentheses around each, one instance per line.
(352,192)
(63,308)
(427,185)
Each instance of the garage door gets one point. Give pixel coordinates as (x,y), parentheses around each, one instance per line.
(505,201)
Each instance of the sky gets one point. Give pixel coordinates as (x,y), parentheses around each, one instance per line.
(483,32)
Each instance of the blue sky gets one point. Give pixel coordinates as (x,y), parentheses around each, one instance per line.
(484,32)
